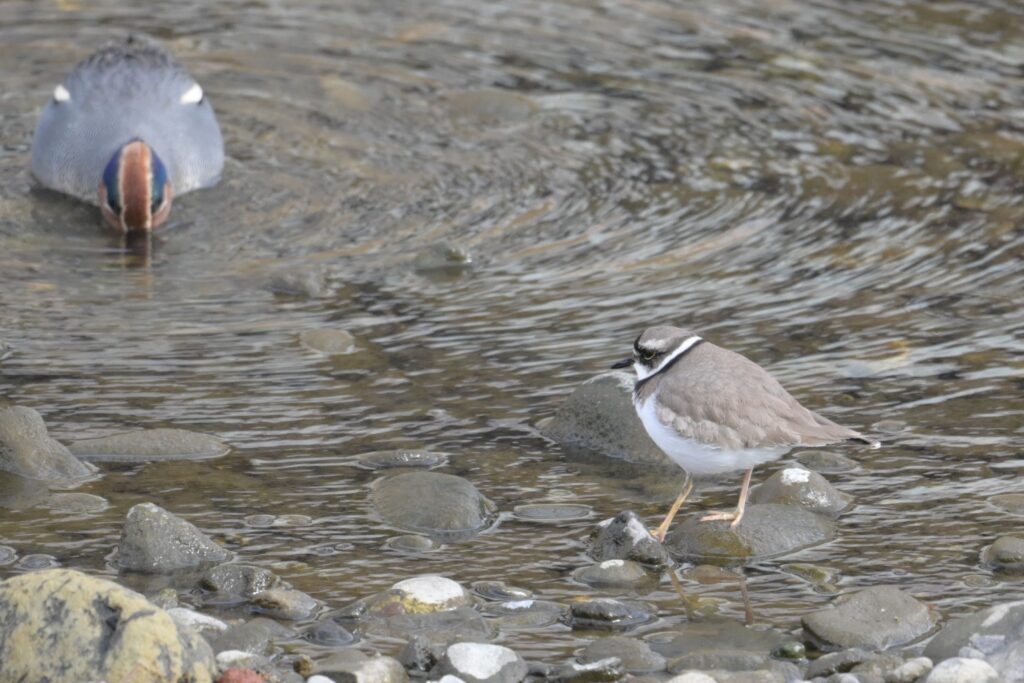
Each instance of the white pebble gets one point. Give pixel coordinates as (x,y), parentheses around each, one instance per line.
(317,678)
(959,670)
(691,677)
(479,660)
(432,590)
(909,671)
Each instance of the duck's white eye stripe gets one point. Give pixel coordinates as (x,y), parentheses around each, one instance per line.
(193,95)
(61,94)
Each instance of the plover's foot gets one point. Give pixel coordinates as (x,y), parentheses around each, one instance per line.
(716,516)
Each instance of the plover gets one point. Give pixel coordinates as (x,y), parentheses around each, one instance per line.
(713,411)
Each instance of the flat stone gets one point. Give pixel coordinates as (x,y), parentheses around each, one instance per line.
(635,656)
(328,633)
(155,541)
(625,537)
(961,670)
(525,614)
(379,460)
(716,644)
(608,670)
(62,625)
(608,614)
(599,417)
(432,503)
(1006,554)
(483,663)
(876,618)
(826,461)
(150,445)
(616,574)
(329,342)
(804,488)
(198,622)
(26,449)
(767,530)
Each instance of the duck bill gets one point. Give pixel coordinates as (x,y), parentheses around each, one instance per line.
(623,364)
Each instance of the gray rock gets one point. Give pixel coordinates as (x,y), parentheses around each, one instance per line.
(837,662)
(202,624)
(381,460)
(155,541)
(239,579)
(719,660)
(436,504)
(692,677)
(353,666)
(599,417)
(616,574)
(1006,554)
(525,615)
(441,628)
(799,486)
(602,671)
(880,665)
(757,676)
(299,283)
(27,450)
(420,655)
(635,655)
(767,530)
(328,633)
(443,258)
(960,670)
(329,342)
(997,632)
(492,105)
(909,671)
(625,537)
(608,614)
(253,636)
(285,603)
(62,625)
(826,461)
(483,662)
(875,618)
(149,445)
(716,644)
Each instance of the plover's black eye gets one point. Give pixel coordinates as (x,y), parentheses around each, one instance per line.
(647,354)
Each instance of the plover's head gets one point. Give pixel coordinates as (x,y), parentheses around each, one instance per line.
(656,347)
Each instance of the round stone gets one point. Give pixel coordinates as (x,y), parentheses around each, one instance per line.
(551,512)
(328,342)
(615,573)
(379,460)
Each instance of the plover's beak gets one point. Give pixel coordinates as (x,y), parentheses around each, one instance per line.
(623,364)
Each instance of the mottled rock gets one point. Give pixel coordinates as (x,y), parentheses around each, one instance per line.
(802,487)
(149,445)
(625,537)
(239,579)
(875,618)
(962,670)
(155,541)
(909,671)
(285,603)
(253,636)
(433,503)
(62,625)
(353,666)
(27,450)
(608,614)
(616,574)
(997,633)
(236,675)
(1006,554)
(635,656)
(483,662)
(599,417)
(420,595)
(329,342)
(766,530)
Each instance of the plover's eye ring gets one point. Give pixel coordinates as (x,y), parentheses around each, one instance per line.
(647,354)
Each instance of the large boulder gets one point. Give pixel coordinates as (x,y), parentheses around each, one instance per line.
(62,625)
(150,444)
(599,417)
(27,450)
(433,503)
(766,530)
(875,618)
(154,541)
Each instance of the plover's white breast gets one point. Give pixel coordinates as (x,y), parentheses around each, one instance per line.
(694,456)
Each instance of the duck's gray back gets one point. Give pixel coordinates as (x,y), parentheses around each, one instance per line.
(124,91)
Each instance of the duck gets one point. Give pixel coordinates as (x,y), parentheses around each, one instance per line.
(128,129)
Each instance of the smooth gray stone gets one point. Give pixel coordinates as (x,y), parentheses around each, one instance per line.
(352,666)
(608,614)
(625,537)
(997,632)
(875,618)
(252,636)
(767,530)
(239,579)
(616,574)
(482,663)
(961,670)
(285,603)
(1006,554)
(150,445)
(599,417)
(802,487)
(27,450)
(432,503)
(635,656)
(154,541)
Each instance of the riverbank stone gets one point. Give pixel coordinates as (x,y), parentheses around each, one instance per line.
(767,530)
(599,417)
(433,503)
(997,633)
(626,537)
(875,618)
(634,655)
(482,663)
(63,625)
(150,445)
(27,450)
(802,487)
(154,541)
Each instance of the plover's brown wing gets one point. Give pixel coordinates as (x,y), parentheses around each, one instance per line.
(721,398)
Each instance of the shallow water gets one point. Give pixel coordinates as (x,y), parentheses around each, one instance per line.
(834,192)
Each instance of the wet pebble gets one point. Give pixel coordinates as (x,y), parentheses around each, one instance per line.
(482,663)
(710,573)
(909,671)
(716,635)
(252,636)
(963,670)
(299,283)
(202,623)
(607,613)
(491,105)
(412,543)
(875,618)
(328,342)
(443,258)
(328,633)
(379,460)
(8,555)
(804,488)
(239,579)
(499,590)
(433,503)
(1006,554)
(149,445)
(602,671)
(1009,502)
(551,512)
(284,603)
(350,664)
(635,655)
(625,537)
(826,461)
(74,503)
(616,574)
(37,561)
(526,614)
(264,521)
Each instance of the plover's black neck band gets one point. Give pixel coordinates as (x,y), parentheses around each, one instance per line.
(638,387)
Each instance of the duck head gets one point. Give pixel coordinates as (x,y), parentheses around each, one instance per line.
(135,192)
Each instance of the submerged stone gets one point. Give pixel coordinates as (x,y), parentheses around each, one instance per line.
(285,603)
(379,460)
(239,579)
(607,614)
(635,656)
(716,641)
(155,541)
(802,487)
(149,445)
(599,417)
(524,614)
(616,574)
(767,530)
(1006,554)
(876,618)
(551,512)
(26,449)
(433,503)
(499,590)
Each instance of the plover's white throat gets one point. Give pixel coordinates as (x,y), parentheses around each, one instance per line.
(712,411)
